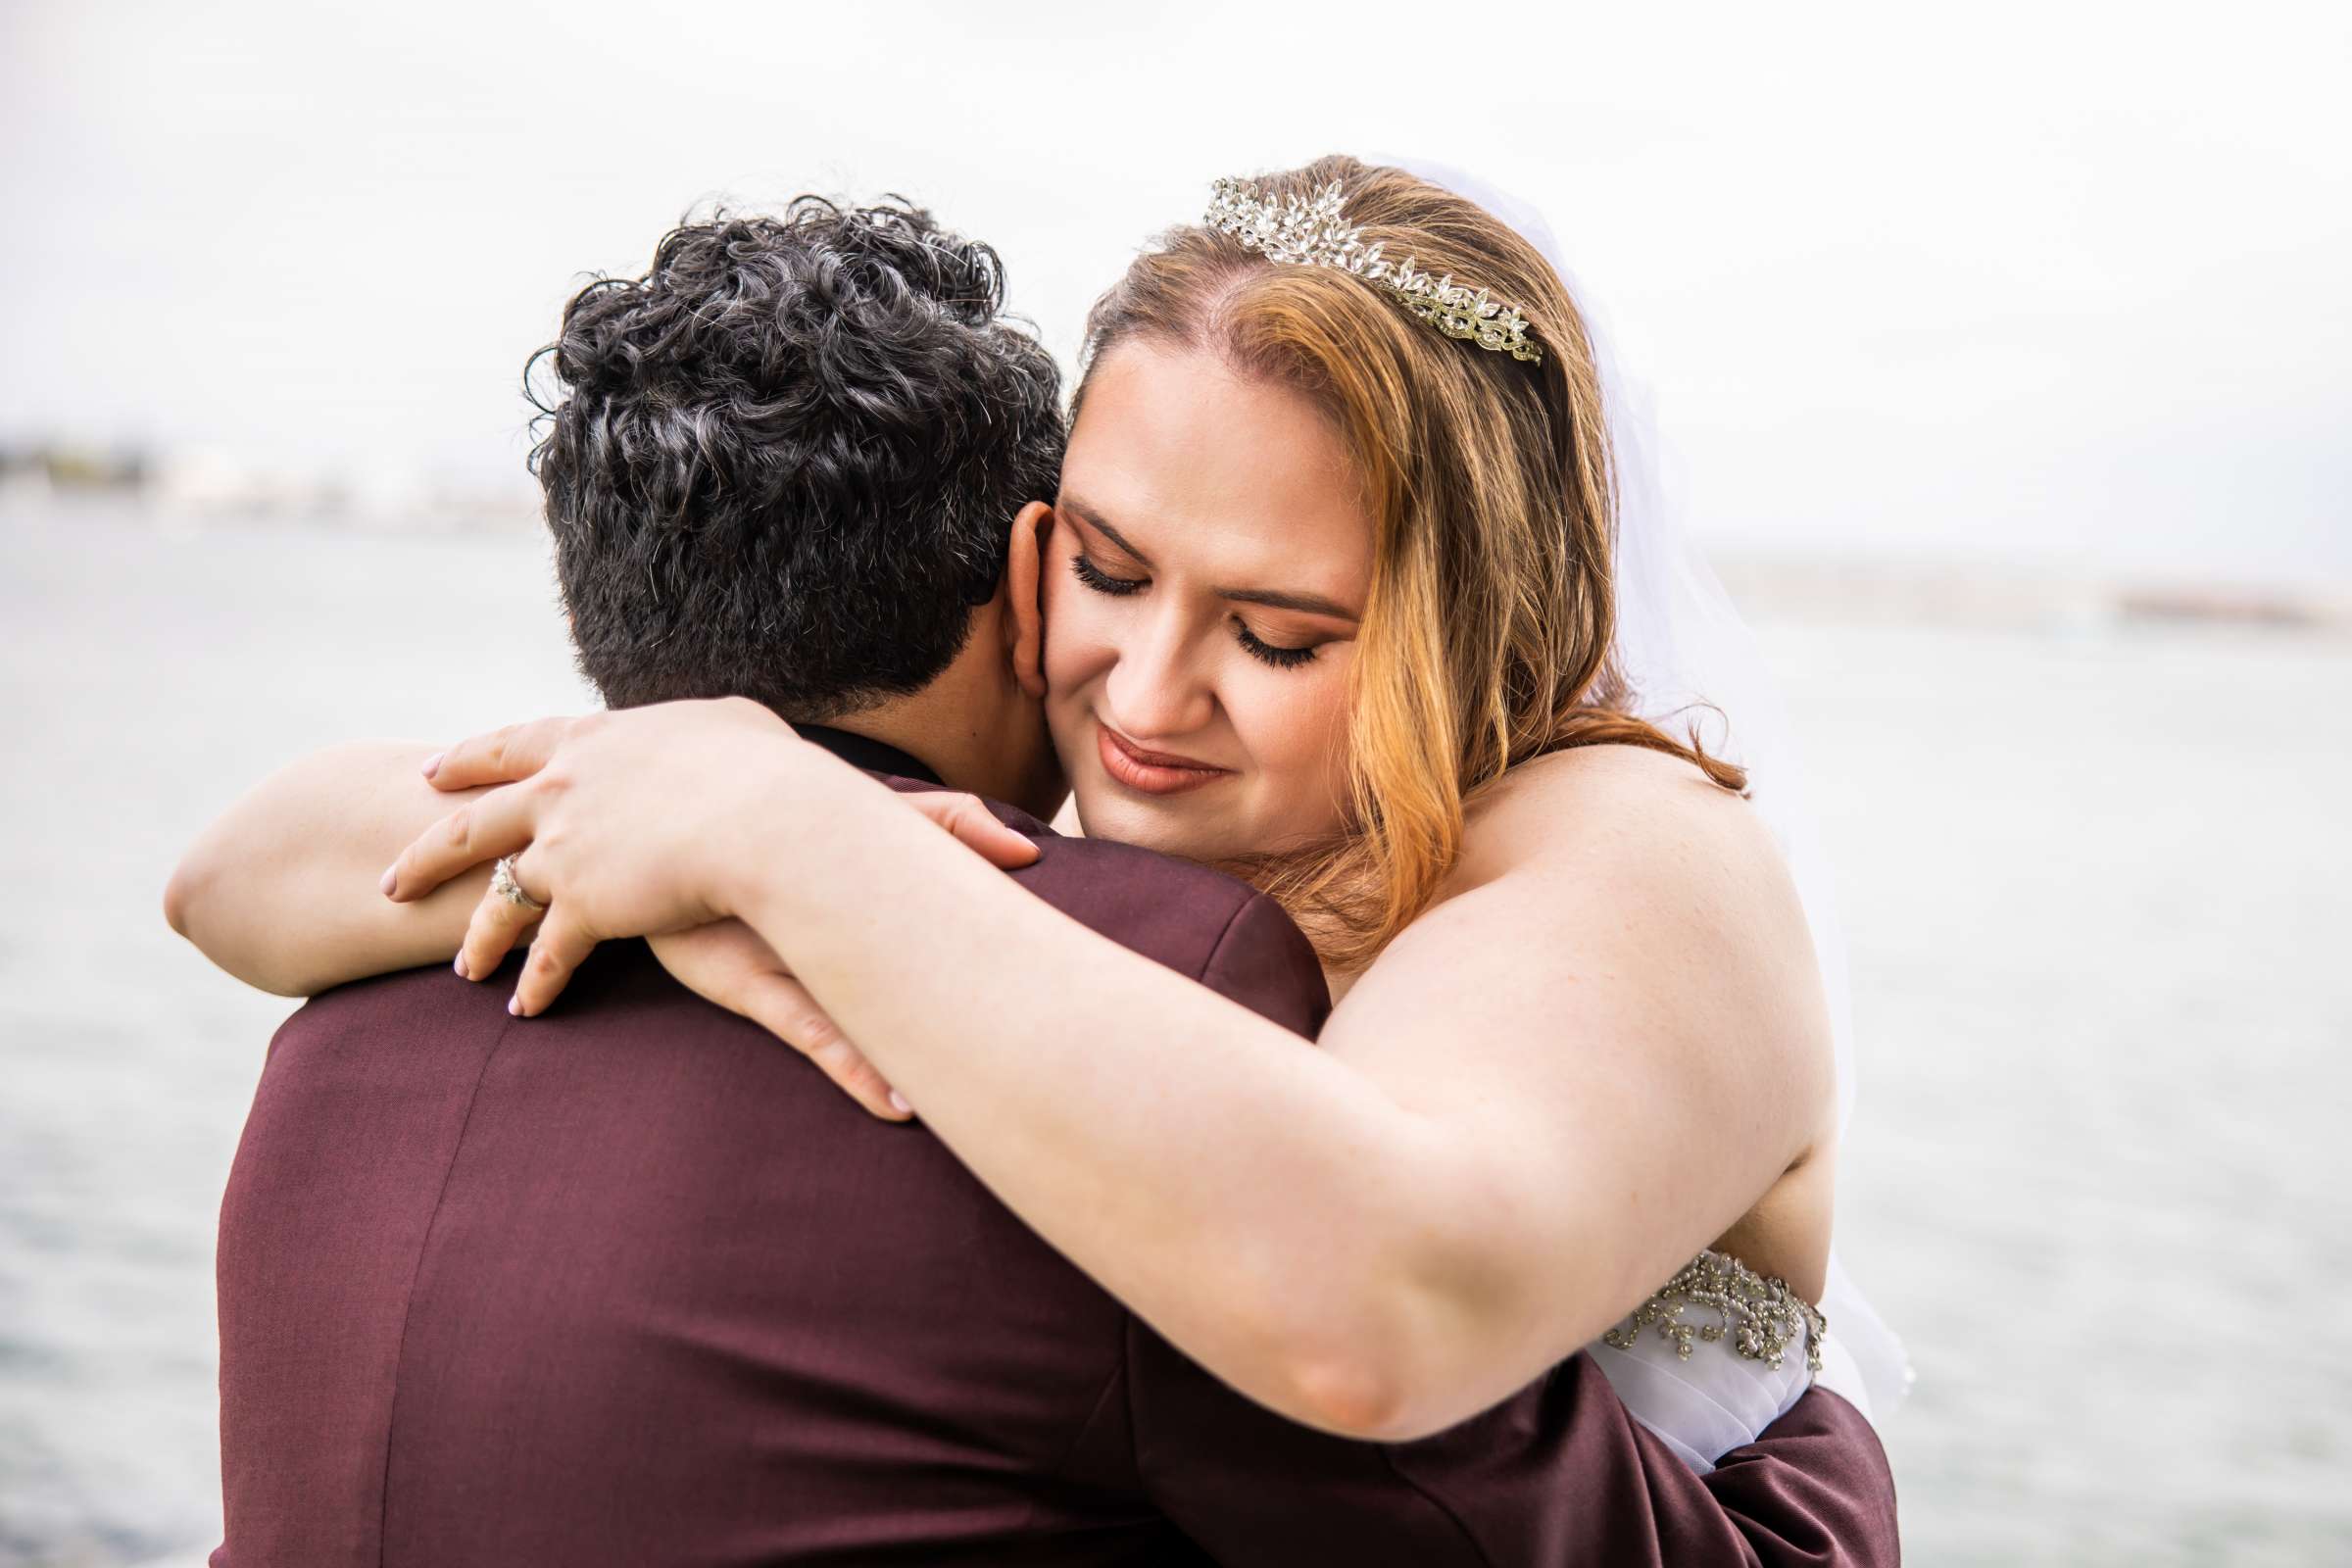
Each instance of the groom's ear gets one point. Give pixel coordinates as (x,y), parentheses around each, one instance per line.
(1023,573)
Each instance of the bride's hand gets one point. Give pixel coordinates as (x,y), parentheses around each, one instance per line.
(728,963)
(628,823)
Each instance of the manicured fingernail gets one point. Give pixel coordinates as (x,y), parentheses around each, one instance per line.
(460,966)
(391,879)
(898,1103)
(514,1005)
(432,763)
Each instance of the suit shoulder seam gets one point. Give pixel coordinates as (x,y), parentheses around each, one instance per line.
(407,1305)
(1249,896)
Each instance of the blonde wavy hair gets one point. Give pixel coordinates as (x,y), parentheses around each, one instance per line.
(1487,631)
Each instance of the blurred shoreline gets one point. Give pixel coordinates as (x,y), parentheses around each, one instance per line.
(189,495)
(1820,588)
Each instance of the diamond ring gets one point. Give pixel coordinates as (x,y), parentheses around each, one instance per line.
(503,883)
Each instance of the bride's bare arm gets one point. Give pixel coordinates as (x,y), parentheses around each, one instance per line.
(1593,1055)
(281,891)
(1583,1065)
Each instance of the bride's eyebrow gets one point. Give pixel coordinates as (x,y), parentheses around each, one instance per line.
(1272,599)
(1308,604)
(1093,519)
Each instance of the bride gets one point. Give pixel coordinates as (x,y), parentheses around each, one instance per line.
(1329,596)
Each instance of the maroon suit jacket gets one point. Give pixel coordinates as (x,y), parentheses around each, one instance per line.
(632,1283)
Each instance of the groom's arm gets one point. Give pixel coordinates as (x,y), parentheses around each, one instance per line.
(1816,1478)
(1557,1474)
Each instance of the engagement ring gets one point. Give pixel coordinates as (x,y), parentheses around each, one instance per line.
(503,883)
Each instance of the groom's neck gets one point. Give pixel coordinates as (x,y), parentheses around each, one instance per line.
(963,757)
(974,727)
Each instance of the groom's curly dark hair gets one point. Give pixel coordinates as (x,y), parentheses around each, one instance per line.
(784,462)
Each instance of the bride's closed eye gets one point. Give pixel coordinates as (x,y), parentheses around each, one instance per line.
(1100,581)
(1275,654)
(1278,654)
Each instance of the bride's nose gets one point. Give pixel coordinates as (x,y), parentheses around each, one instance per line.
(1160,688)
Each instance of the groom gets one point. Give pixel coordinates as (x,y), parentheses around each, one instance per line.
(633,1283)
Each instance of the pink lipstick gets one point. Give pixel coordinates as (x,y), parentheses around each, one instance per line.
(1151,772)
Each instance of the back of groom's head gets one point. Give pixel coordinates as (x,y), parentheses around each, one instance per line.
(784,463)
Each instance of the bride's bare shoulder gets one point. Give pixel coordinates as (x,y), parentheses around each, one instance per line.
(1636,853)
(1607,803)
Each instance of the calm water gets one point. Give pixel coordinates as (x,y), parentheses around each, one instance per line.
(2098,886)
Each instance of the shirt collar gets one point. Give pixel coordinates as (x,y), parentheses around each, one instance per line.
(859,750)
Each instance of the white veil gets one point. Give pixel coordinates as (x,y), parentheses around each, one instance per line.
(1681,643)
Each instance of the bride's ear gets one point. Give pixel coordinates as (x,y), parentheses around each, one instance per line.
(1023,574)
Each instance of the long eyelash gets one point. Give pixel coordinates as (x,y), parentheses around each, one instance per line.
(1100,581)
(1271,653)
(1103,582)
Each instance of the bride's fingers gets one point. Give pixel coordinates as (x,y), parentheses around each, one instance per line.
(497,924)
(500,822)
(560,946)
(783,1006)
(976,827)
(500,757)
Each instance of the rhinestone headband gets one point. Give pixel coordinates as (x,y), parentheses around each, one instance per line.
(1313,233)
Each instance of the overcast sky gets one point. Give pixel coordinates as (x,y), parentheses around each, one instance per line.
(2040,281)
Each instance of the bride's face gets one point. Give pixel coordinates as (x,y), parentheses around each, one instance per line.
(1202,581)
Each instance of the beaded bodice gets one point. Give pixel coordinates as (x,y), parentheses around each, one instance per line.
(1763,1317)
(1713,1356)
